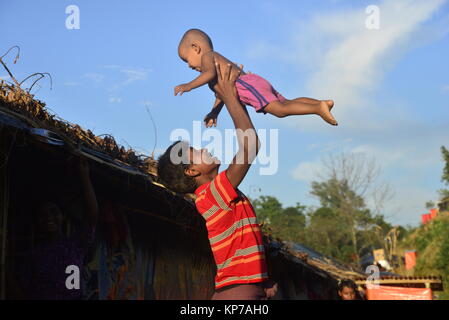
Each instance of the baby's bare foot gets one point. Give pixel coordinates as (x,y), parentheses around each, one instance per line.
(325,108)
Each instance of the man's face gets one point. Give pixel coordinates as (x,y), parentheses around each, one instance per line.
(192,56)
(347,293)
(202,157)
(202,162)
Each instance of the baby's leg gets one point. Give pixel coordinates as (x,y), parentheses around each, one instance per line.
(330,103)
(302,106)
(307,100)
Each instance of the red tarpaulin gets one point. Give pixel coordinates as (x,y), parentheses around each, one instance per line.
(398,293)
(425,218)
(433,213)
(410,260)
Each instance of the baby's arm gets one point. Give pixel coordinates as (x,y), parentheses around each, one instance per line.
(211,118)
(208,73)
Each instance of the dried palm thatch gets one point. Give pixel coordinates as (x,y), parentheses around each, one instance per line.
(334,270)
(14,99)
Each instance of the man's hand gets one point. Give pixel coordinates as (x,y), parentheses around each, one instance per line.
(225,88)
(270,288)
(182,88)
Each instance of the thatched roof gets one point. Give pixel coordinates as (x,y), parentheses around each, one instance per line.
(21,104)
(324,265)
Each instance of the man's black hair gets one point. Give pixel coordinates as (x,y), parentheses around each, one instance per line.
(172,172)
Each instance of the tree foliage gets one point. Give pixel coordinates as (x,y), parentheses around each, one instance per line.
(445,176)
(432,244)
(325,229)
(285,223)
(343,226)
(444,193)
(431,240)
(347,181)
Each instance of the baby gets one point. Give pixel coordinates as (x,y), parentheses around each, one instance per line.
(196,49)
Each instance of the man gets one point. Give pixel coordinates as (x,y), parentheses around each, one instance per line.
(233,231)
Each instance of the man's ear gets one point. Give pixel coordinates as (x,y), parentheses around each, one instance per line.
(196,47)
(192,172)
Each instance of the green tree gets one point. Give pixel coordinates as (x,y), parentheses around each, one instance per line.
(285,223)
(445,176)
(290,224)
(346,181)
(348,208)
(267,207)
(327,233)
(444,193)
(431,240)
(432,244)
(430,205)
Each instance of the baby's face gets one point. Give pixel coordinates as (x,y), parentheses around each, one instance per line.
(192,57)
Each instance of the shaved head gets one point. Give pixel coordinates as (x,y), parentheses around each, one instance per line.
(195,35)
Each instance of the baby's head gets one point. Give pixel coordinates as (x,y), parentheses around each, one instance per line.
(192,46)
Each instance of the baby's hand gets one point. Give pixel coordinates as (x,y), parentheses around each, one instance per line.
(181,89)
(210,119)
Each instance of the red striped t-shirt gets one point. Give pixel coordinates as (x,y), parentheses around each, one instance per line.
(233,231)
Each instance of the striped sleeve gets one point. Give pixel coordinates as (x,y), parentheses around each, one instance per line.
(222,191)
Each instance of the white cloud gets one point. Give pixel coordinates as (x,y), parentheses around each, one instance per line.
(96,77)
(111,66)
(115,100)
(131,74)
(384,156)
(353,60)
(71,83)
(346,61)
(307,171)
(445,88)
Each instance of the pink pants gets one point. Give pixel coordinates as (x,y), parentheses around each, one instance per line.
(255,91)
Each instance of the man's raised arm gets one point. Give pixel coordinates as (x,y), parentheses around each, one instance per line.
(248,142)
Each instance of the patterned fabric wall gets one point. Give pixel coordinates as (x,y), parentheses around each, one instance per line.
(142,258)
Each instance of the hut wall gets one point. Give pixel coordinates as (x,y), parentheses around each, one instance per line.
(150,260)
(298,282)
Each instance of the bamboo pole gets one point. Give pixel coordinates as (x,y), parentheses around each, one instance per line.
(425,281)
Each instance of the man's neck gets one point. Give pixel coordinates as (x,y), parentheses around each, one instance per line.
(207,177)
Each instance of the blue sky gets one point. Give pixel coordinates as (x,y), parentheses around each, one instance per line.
(391,85)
